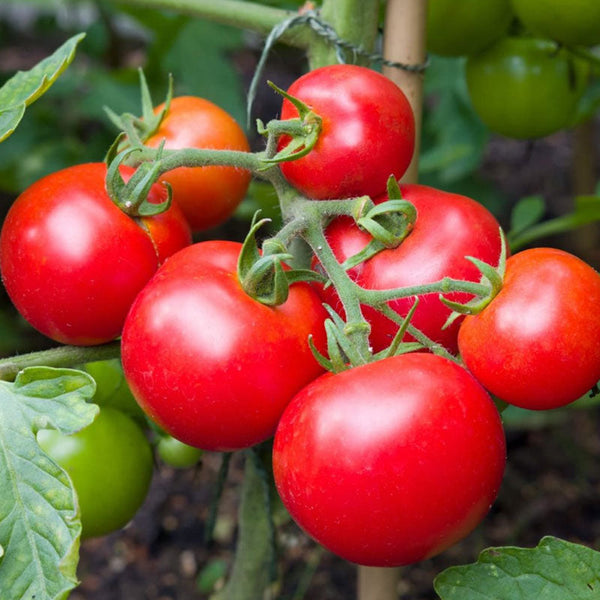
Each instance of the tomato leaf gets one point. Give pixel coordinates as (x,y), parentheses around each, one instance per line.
(554,570)
(527,212)
(586,211)
(39,522)
(25,87)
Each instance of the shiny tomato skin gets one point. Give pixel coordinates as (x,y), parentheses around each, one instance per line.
(72,262)
(110,463)
(368,132)
(449,227)
(208,196)
(525,88)
(390,463)
(536,344)
(212,366)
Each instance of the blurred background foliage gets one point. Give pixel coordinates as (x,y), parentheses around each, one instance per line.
(69,125)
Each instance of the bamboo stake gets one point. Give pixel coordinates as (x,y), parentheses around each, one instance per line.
(404,42)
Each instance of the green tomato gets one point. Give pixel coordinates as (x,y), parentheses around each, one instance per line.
(112,388)
(525,87)
(177,454)
(570,22)
(464,27)
(110,463)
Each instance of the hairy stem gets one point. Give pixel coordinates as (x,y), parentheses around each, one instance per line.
(61,356)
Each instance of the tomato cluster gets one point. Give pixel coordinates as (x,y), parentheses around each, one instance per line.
(522,75)
(398,451)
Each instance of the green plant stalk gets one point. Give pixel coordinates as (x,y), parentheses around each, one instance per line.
(251,573)
(61,356)
(357,328)
(551,227)
(355,21)
(252,16)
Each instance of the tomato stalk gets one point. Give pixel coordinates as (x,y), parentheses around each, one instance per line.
(61,356)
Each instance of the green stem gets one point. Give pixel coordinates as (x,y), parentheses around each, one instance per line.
(355,21)
(252,16)
(252,571)
(446,285)
(200,157)
(61,356)
(357,328)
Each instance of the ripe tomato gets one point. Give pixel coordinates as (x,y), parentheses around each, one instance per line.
(536,344)
(574,23)
(449,227)
(209,364)
(110,463)
(367,134)
(72,262)
(208,196)
(463,27)
(525,87)
(392,462)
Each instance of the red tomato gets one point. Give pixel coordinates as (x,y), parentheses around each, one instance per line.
(208,196)
(212,366)
(72,262)
(536,345)
(368,132)
(449,227)
(392,462)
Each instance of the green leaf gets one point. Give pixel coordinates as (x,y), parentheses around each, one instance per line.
(586,211)
(454,139)
(39,520)
(554,570)
(25,87)
(526,212)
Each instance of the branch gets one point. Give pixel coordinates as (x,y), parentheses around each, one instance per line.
(252,16)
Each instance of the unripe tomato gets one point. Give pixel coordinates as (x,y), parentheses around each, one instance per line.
(111,387)
(570,22)
(110,463)
(391,462)
(525,87)
(207,196)
(463,27)
(177,454)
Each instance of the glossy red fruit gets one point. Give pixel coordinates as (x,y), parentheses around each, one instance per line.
(368,132)
(211,365)
(536,345)
(392,462)
(208,195)
(449,227)
(72,262)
